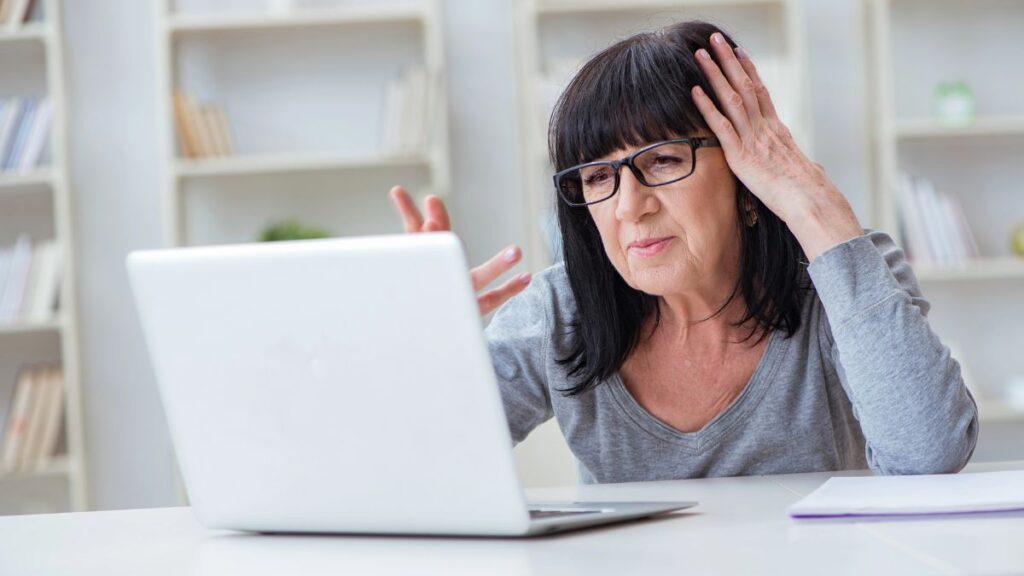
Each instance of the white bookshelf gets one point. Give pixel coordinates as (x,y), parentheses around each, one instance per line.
(976,303)
(303,91)
(555,36)
(39,202)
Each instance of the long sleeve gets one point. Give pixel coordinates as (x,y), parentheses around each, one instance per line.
(906,390)
(519,339)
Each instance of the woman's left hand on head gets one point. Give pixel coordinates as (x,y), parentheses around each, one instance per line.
(762,153)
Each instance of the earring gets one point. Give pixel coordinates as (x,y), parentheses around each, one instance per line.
(751,217)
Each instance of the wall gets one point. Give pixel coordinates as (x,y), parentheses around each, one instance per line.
(113,164)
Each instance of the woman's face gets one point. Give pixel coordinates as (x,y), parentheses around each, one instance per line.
(671,239)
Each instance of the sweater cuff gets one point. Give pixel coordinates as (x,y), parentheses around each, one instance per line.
(851,277)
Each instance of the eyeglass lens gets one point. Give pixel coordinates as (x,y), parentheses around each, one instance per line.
(659,165)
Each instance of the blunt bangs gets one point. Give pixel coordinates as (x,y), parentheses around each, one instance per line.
(631,94)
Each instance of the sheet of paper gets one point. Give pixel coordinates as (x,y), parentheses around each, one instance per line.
(926,494)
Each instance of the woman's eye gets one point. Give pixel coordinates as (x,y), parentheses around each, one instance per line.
(596,177)
(667,160)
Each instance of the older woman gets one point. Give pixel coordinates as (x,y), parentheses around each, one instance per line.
(720,311)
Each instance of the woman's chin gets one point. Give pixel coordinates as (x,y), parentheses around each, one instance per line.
(656,280)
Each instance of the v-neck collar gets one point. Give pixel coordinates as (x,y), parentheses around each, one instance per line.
(735,413)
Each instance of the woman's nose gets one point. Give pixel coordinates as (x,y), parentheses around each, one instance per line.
(634,200)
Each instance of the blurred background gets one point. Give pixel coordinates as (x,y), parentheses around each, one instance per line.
(128,124)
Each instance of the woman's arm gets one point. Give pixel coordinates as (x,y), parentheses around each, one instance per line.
(519,339)
(906,390)
(907,393)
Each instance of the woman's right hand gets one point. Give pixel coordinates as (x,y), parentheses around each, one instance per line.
(482,275)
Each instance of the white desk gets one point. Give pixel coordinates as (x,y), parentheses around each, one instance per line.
(740,527)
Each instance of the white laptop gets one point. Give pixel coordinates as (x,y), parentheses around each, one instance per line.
(338,386)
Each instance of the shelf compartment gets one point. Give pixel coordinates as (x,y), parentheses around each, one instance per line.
(349,203)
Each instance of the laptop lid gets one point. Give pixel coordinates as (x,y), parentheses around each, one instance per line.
(330,386)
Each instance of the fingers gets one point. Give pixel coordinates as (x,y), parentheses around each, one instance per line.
(731,100)
(411,217)
(487,272)
(717,121)
(491,299)
(437,215)
(740,82)
(764,99)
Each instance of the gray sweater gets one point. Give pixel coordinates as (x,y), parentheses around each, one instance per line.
(864,382)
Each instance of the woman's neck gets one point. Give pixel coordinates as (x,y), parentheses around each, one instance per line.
(708,319)
(709,310)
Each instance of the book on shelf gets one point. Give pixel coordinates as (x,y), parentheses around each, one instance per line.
(32,433)
(24,132)
(202,128)
(411,112)
(15,277)
(934,226)
(14,13)
(29,280)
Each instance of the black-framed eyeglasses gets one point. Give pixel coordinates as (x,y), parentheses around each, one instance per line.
(657,164)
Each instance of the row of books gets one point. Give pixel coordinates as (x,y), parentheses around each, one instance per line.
(935,229)
(24,132)
(32,433)
(29,280)
(202,128)
(14,13)
(411,103)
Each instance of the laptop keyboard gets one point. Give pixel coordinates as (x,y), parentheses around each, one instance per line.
(544,513)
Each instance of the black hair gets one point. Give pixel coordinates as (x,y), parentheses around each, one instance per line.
(632,93)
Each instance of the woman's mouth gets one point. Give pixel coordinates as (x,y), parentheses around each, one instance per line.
(649,247)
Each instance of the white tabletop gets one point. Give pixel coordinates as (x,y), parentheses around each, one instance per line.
(740,527)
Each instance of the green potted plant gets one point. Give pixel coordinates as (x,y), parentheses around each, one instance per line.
(292,229)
